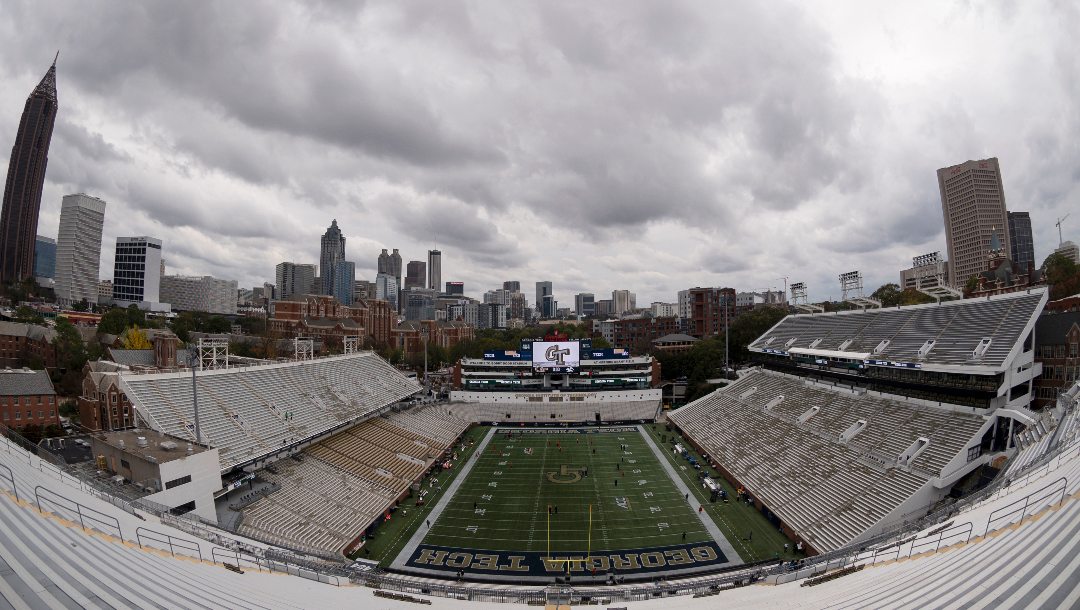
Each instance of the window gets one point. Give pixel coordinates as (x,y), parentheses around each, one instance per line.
(973,452)
(183,508)
(125,463)
(178,482)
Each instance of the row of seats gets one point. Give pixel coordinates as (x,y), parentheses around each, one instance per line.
(956,327)
(828,491)
(343,483)
(252,411)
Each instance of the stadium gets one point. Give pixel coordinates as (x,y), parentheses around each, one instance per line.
(869,458)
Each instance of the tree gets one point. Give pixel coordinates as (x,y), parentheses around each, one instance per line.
(28,315)
(1062,274)
(971,284)
(135,316)
(133,338)
(888,294)
(82,305)
(113,322)
(71,356)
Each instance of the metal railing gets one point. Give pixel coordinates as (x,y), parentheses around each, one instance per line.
(1007,511)
(82,512)
(277,559)
(172,541)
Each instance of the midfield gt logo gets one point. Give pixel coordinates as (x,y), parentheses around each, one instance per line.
(566,474)
(556,355)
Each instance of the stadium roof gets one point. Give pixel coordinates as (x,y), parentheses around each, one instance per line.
(947,336)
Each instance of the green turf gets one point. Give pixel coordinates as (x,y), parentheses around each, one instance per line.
(503,503)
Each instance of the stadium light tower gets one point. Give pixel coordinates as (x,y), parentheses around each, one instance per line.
(193,358)
(930,277)
(799,300)
(851,287)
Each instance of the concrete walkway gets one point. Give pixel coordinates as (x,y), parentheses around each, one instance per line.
(706,520)
(418,535)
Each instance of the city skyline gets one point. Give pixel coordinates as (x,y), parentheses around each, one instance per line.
(830,162)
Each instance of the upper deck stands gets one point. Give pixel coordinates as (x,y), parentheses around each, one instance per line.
(253,411)
(956,327)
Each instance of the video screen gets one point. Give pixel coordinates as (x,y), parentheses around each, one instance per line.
(556,356)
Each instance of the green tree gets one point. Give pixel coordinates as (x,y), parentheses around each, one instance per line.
(1062,274)
(82,305)
(114,322)
(28,315)
(71,356)
(135,316)
(888,294)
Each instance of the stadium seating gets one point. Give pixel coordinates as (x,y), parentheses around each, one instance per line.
(250,412)
(829,491)
(956,327)
(48,562)
(335,488)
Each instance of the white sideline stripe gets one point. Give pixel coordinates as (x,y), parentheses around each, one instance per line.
(443,502)
(706,519)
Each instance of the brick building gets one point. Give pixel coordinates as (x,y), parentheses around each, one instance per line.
(27,397)
(1057,347)
(22,344)
(711,309)
(637,333)
(408,336)
(324,317)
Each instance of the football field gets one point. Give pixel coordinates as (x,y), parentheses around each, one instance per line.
(594,499)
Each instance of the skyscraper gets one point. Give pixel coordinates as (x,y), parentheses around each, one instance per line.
(384,265)
(294,279)
(543,289)
(395,265)
(512,286)
(45,257)
(1023,246)
(78,249)
(25,178)
(137,272)
(973,205)
(331,252)
(344,281)
(585,304)
(416,275)
(621,301)
(386,289)
(434,269)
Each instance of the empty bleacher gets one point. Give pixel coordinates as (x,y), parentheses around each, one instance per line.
(343,483)
(250,412)
(829,491)
(956,327)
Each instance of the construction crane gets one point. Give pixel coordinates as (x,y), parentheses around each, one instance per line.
(1058,225)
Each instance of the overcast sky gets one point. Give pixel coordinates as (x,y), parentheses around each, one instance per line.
(651,146)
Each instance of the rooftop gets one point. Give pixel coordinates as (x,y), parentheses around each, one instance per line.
(25,382)
(128,440)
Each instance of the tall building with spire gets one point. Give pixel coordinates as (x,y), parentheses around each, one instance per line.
(25,178)
(331,253)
